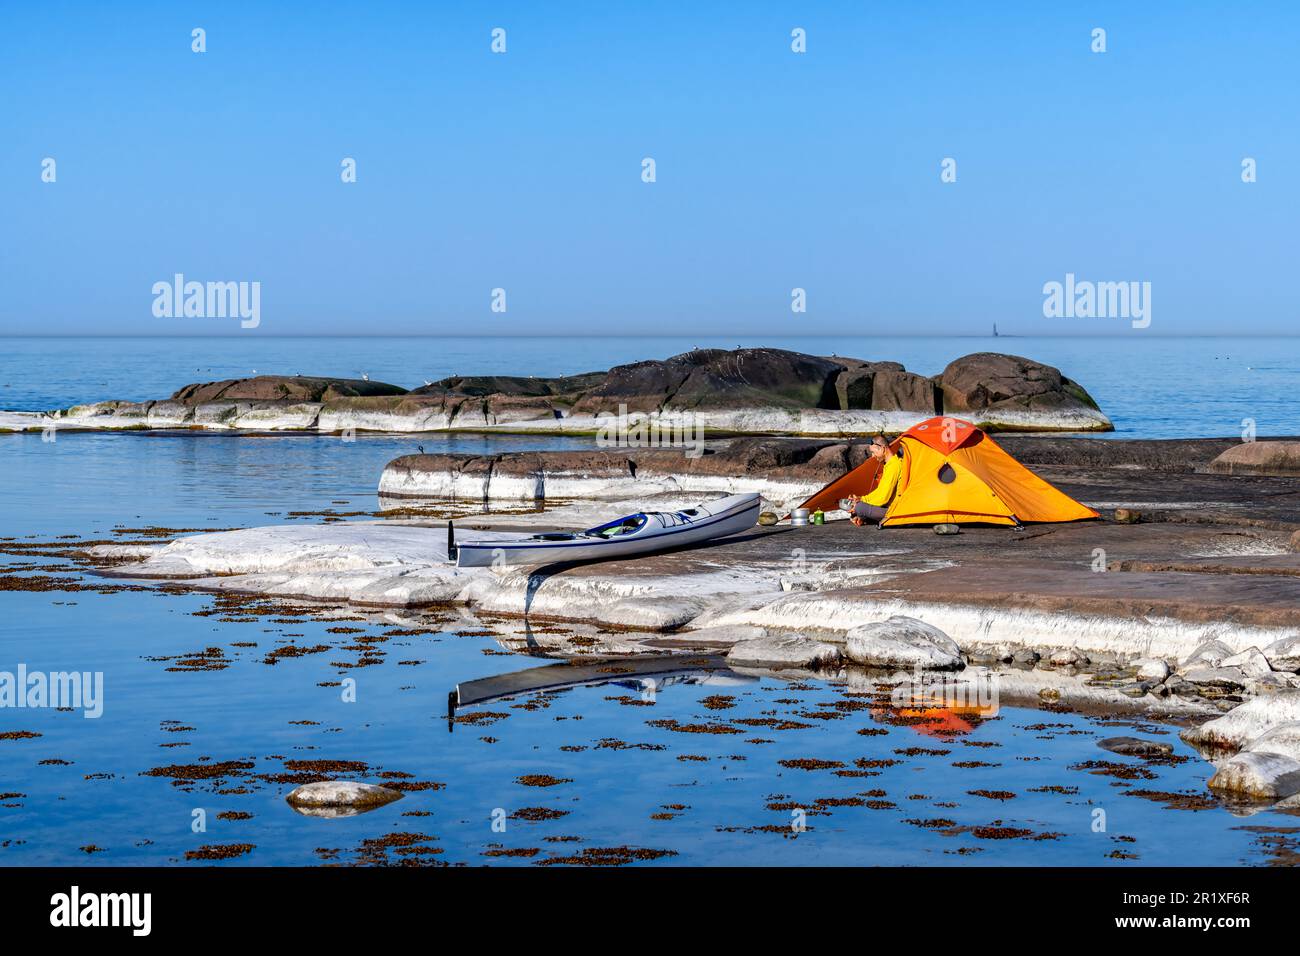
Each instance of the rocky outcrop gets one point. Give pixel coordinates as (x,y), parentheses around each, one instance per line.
(855,385)
(283,388)
(531,386)
(990,381)
(744,391)
(905,392)
(1259,458)
(717,379)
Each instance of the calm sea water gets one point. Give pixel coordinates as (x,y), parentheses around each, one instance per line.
(1150,387)
(625,778)
(617,770)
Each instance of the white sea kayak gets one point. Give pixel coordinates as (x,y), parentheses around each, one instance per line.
(640,533)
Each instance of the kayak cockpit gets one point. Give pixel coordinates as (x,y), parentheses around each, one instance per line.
(615,528)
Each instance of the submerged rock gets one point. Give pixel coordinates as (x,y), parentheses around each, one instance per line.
(1258,776)
(1136,747)
(903,642)
(339,797)
(782,650)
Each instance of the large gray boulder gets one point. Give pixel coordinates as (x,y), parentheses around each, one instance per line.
(1284,655)
(903,642)
(1258,776)
(1281,739)
(1244,723)
(1250,662)
(1209,654)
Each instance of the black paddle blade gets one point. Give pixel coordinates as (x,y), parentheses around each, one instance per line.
(451,541)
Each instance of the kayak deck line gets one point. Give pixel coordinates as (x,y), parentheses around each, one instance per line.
(635,534)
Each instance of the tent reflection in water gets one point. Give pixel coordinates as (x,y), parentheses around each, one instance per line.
(953,473)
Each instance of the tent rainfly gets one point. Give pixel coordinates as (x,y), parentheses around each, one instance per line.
(953,473)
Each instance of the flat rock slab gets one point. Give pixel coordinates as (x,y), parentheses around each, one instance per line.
(783,650)
(1244,599)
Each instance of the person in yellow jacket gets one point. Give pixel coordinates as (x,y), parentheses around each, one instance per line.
(873,505)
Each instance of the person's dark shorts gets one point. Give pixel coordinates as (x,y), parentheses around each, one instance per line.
(868,512)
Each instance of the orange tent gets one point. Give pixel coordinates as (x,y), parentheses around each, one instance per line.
(954,473)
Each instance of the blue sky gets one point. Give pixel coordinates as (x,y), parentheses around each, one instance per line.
(523,171)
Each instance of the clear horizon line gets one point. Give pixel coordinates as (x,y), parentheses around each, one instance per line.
(646,335)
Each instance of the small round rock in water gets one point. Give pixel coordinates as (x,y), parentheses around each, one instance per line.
(947,529)
(340,794)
